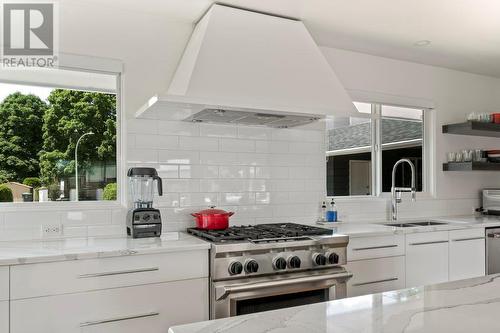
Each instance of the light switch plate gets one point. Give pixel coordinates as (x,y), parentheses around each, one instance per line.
(51,230)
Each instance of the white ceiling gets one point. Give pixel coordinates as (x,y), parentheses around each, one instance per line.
(465,34)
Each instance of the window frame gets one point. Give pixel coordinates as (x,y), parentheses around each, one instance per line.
(101,66)
(428,173)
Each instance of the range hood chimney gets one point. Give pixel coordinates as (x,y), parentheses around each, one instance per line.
(244,61)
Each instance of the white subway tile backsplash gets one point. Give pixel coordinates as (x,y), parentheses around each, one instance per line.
(86,217)
(167,200)
(237,145)
(246,198)
(168,171)
(272,172)
(225,131)
(257,133)
(198,171)
(181,185)
(236,172)
(142,155)
(198,199)
(31,219)
(178,157)
(156,141)
(198,143)
(178,128)
(279,147)
(219,158)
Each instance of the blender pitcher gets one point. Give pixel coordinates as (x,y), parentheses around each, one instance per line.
(141,182)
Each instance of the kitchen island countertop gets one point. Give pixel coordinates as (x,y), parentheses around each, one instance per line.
(466,306)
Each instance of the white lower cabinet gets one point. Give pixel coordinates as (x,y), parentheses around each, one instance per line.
(149,308)
(467,254)
(376,275)
(4,317)
(426,258)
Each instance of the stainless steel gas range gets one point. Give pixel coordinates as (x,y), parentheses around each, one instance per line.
(272,266)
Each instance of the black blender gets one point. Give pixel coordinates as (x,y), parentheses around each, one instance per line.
(143,220)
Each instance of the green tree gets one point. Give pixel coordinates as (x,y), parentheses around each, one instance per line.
(6,194)
(21,120)
(72,113)
(34,182)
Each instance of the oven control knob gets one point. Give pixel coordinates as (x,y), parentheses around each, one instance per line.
(319,259)
(279,263)
(294,262)
(235,268)
(333,258)
(251,266)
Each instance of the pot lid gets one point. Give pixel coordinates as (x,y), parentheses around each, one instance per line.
(213,211)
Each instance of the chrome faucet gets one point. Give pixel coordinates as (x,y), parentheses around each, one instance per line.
(396,191)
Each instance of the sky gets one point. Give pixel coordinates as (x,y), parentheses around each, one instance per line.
(6,89)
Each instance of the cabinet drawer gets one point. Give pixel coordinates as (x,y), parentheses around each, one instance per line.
(149,308)
(4,317)
(46,279)
(375,247)
(376,275)
(467,234)
(4,283)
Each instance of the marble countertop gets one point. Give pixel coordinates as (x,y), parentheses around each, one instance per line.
(464,306)
(36,251)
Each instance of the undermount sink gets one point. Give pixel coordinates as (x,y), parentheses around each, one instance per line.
(414,224)
(428,223)
(399,225)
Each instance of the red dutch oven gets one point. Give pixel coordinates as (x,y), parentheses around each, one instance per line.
(212,219)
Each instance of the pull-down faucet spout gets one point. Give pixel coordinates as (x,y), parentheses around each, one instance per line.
(396,191)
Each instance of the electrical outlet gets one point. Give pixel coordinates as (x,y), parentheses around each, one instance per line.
(52,230)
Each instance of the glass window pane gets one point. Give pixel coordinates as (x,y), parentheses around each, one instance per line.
(402,137)
(349,156)
(54,141)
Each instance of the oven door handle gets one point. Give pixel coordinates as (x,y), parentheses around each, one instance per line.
(222,292)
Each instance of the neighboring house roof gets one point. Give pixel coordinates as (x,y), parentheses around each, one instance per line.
(393,130)
(18,184)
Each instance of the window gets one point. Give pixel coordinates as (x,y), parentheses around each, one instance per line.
(355,164)
(58,137)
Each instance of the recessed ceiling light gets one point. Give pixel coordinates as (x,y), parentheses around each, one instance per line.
(423,42)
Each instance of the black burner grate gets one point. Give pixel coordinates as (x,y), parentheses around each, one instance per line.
(273,231)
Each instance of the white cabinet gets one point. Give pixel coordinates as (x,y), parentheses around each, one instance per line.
(375,247)
(4,283)
(4,317)
(467,253)
(46,279)
(149,308)
(376,275)
(426,258)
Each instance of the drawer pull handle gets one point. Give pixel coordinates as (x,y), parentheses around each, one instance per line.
(112,320)
(130,271)
(467,239)
(427,243)
(373,282)
(374,247)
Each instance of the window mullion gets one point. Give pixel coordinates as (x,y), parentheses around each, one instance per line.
(376,150)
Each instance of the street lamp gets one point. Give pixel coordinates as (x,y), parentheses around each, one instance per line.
(76,160)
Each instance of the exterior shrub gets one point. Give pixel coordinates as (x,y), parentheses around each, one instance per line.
(6,194)
(110,192)
(34,182)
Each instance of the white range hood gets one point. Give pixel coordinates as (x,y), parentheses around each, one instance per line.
(240,60)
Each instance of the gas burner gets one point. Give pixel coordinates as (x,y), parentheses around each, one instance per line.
(261,233)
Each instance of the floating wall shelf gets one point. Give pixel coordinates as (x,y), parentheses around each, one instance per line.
(473,128)
(471,166)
